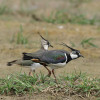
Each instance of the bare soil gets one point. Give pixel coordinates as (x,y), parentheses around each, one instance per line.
(45,97)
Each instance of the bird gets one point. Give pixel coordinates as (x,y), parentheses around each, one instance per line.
(56,58)
(26,62)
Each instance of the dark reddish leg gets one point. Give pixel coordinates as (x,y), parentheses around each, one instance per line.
(30,73)
(49,72)
(54,75)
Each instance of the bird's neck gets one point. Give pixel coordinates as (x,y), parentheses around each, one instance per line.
(68,58)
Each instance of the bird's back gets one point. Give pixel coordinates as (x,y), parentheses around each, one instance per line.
(54,56)
(28,56)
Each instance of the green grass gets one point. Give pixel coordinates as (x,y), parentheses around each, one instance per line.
(4,9)
(62,17)
(72,44)
(88,42)
(72,1)
(78,3)
(82,84)
(74,83)
(81,19)
(56,17)
(20,38)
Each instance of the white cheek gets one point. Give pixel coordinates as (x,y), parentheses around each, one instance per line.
(73,56)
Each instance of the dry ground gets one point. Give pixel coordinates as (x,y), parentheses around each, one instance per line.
(74,33)
(69,33)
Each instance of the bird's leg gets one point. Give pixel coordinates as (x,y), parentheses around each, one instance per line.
(49,72)
(30,73)
(34,70)
(54,75)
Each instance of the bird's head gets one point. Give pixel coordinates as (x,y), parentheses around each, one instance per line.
(75,53)
(45,44)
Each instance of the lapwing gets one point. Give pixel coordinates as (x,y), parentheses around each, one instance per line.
(56,58)
(26,62)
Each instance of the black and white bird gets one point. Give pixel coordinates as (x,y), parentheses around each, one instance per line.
(26,60)
(56,58)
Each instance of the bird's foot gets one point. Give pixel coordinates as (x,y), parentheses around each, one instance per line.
(56,81)
(49,74)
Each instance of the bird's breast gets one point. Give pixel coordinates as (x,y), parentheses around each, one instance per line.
(58,65)
(36,65)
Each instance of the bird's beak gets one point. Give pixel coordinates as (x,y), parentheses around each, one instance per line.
(51,46)
(81,56)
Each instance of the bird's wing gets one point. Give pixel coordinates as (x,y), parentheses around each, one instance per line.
(21,62)
(28,56)
(53,57)
(24,62)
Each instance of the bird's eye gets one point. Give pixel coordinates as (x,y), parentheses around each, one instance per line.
(74,52)
(79,53)
(48,43)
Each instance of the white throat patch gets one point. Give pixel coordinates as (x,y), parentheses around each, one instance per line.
(73,56)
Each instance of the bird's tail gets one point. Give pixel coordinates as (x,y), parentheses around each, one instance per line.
(11,63)
(25,56)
